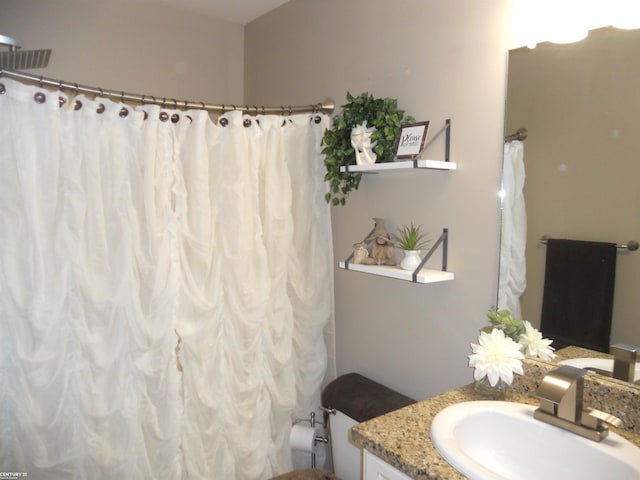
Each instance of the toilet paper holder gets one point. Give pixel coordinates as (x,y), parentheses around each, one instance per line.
(317,438)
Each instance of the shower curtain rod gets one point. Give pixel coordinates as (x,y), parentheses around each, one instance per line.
(324,107)
(521,134)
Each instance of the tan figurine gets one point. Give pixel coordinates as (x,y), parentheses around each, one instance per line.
(382,251)
(360,252)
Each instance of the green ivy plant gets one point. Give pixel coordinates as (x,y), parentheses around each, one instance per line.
(381,113)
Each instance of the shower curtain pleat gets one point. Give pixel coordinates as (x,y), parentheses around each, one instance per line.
(132,247)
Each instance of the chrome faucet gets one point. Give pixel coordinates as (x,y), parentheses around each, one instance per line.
(561,404)
(624,361)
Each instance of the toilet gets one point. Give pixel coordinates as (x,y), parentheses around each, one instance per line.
(347,401)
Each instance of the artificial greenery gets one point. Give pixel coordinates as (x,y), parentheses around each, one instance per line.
(381,113)
(505,321)
(411,238)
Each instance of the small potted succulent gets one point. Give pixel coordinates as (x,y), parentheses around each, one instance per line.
(411,239)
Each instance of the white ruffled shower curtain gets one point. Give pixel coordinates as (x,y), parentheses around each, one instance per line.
(163,289)
(513,267)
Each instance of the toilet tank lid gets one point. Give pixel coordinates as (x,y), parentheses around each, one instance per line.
(361,398)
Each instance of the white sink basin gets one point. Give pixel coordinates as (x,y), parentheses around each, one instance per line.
(502,440)
(599,365)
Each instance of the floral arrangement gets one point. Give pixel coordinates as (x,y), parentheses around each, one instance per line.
(502,346)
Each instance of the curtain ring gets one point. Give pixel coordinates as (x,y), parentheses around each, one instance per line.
(122,97)
(142,100)
(40,81)
(77,89)
(186,105)
(60,87)
(175,104)
(289,110)
(164,103)
(101,92)
(153,100)
(202,103)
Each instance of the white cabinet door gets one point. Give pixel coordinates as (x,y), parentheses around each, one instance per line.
(376,469)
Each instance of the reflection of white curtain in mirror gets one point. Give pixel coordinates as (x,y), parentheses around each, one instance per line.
(567,21)
(513,267)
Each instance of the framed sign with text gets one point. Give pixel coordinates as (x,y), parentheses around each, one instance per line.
(411,140)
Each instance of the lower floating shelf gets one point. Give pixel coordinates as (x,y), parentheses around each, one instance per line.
(426,275)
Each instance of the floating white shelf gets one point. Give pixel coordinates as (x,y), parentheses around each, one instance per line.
(426,275)
(408,164)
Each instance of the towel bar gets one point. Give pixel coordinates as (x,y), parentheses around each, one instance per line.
(631,245)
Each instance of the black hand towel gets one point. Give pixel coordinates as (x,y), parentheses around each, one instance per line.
(578,293)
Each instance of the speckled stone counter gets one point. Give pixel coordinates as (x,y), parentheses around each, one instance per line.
(401,438)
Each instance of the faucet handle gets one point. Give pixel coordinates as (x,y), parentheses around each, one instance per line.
(593,418)
(624,361)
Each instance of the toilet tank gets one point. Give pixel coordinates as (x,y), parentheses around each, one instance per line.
(355,399)
(346,456)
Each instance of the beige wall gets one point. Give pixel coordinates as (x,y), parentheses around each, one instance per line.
(580,105)
(440,59)
(131,46)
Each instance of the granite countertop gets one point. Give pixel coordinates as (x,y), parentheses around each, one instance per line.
(401,438)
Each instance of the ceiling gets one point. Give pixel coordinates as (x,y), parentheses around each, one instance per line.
(234,11)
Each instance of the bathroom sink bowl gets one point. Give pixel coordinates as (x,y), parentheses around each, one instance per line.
(502,440)
(603,366)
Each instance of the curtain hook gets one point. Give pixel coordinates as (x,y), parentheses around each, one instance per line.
(164,102)
(202,103)
(40,81)
(153,100)
(76,89)
(60,87)
(186,105)
(289,110)
(122,96)
(175,104)
(101,92)
(142,100)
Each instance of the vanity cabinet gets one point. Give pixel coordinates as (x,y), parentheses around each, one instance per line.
(376,469)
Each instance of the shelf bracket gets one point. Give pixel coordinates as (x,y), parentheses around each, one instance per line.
(447,143)
(444,240)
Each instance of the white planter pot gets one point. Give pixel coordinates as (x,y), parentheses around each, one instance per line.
(411,260)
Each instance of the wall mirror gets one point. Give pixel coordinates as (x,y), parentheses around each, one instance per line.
(580,104)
